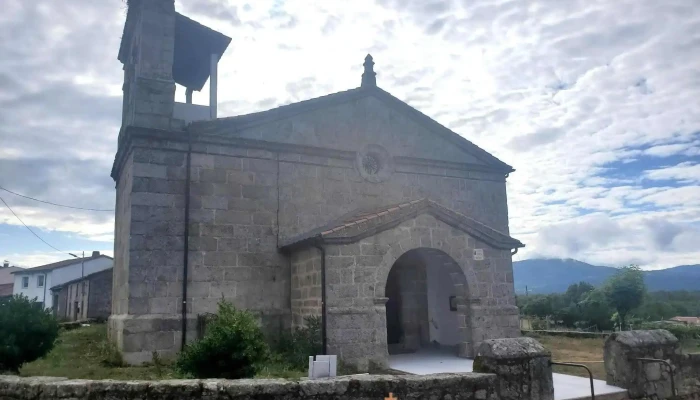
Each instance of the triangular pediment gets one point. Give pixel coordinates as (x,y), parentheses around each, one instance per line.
(353,117)
(361,224)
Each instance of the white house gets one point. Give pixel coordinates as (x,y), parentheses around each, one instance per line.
(36,282)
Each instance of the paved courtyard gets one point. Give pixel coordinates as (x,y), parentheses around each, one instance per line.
(426,362)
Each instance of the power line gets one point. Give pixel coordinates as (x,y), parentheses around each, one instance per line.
(30,229)
(53,204)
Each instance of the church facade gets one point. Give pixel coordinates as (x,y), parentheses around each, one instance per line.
(351,207)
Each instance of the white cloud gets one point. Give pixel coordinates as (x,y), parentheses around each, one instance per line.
(35,259)
(686,172)
(560,90)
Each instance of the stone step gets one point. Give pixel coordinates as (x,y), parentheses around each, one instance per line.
(604,396)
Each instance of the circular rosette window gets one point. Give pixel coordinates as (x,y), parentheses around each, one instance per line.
(374,163)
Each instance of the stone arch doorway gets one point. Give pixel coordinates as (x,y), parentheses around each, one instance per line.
(426,306)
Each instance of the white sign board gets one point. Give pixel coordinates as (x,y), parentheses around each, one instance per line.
(323,366)
(478,254)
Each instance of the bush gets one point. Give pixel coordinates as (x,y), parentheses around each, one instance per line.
(682,332)
(295,348)
(233,347)
(27,332)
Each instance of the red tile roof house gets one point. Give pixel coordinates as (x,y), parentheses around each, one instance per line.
(687,320)
(35,282)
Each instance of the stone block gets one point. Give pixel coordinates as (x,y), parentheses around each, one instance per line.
(340,262)
(522,366)
(257,192)
(263,218)
(215,202)
(368,261)
(212,175)
(259,165)
(373,249)
(163,305)
(202,160)
(227,163)
(148,170)
(220,258)
(642,379)
(240,177)
(226,217)
(231,245)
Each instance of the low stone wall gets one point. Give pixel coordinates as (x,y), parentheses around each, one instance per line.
(572,334)
(357,387)
(690,373)
(650,379)
(522,366)
(624,369)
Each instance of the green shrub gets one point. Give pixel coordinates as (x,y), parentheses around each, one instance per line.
(295,348)
(233,347)
(27,332)
(682,332)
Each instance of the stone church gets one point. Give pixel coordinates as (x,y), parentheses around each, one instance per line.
(353,207)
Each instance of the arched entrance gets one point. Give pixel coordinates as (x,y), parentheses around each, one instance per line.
(426,307)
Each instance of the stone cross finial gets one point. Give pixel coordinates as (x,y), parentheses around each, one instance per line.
(369,77)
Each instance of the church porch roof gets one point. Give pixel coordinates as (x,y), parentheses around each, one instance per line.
(363,223)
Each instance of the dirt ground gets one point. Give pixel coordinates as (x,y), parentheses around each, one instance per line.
(588,352)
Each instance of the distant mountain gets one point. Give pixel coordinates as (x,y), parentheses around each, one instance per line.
(555,276)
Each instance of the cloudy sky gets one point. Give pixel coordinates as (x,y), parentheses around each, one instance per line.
(595,103)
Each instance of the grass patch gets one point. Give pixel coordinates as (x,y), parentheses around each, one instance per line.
(577,350)
(85,353)
(586,351)
(281,370)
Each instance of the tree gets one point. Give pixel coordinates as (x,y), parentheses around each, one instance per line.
(541,306)
(576,292)
(27,332)
(625,291)
(595,310)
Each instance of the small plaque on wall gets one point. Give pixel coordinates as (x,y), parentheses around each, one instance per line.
(478,254)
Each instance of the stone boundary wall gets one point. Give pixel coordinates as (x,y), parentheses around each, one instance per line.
(571,334)
(466,386)
(522,365)
(651,379)
(690,372)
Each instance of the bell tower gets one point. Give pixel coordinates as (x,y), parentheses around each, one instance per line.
(147,51)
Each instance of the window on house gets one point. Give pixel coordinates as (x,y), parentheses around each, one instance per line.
(25,282)
(40,281)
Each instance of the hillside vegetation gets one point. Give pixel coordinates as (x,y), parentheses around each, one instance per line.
(543,276)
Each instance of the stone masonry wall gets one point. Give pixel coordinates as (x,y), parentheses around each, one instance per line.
(100,295)
(233,236)
(357,387)
(522,366)
(315,190)
(306,285)
(645,379)
(148,273)
(122,231)
(690,373)
(356,279)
